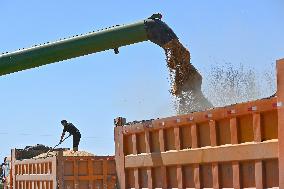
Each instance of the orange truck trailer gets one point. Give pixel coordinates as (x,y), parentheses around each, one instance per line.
(63,172)
(237,146)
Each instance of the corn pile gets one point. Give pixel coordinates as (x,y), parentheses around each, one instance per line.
(65,153)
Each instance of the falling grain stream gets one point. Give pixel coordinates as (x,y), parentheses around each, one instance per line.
(185,79)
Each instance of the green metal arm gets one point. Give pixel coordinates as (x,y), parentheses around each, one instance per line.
(152,29)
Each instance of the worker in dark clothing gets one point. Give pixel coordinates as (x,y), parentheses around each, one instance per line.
(72,130)
(3,171)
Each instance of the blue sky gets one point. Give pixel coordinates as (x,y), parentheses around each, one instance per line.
(91,91)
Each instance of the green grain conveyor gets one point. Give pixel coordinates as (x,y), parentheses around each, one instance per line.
(152,29)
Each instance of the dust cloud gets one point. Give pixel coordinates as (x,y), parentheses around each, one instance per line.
(226,84)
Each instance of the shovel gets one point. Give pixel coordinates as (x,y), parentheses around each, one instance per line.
(56,145)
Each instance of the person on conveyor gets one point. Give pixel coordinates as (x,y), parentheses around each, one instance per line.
(72,130)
